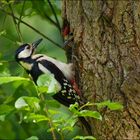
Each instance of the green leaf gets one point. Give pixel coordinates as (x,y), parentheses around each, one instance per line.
(53,112)
(3,32)
(20,104)
(47,83)
(115,106)
(5,80)
(110,105)
(42,89)
(52,103)
(72,121)
(27,103)
(32,138)
(84,138)
(67,128)
(88,113)
(73,108)
(9,99)
(102,104)
(36,118)
(84,113)
(14,82)
(6,109)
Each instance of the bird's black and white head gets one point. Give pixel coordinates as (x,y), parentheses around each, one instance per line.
(25,51)
(24,54)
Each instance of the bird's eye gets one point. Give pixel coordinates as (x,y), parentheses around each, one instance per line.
(28,47)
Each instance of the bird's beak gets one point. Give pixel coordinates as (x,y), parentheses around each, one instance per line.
(36,43)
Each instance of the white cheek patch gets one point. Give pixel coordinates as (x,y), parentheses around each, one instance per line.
(24,54)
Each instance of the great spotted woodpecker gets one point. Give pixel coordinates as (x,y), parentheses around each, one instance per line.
(37,64)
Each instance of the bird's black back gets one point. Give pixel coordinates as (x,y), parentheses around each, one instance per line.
(67,95)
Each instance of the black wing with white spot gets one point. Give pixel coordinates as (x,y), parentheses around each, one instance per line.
(67,95)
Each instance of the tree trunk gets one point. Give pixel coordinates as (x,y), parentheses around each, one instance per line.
(107,37)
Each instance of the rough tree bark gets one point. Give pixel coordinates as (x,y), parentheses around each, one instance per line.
(107,37)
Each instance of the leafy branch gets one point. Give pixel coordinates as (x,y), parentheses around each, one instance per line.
(18,24)
(15,22)
(50,120)
(39,8)
(33,111)
(31,27)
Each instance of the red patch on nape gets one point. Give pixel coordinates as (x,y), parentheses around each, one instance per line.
(66,31)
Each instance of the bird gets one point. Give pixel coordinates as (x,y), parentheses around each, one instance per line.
(38,64)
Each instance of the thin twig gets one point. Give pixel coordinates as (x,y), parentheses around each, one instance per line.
(37,31)
(13,16)
(18,24)
(54,13)
(21,11)
(47,17)
(85,105)
(50,121)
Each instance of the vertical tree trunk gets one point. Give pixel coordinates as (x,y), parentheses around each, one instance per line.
(107,37)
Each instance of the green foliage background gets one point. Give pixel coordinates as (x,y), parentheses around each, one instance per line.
(39,15)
